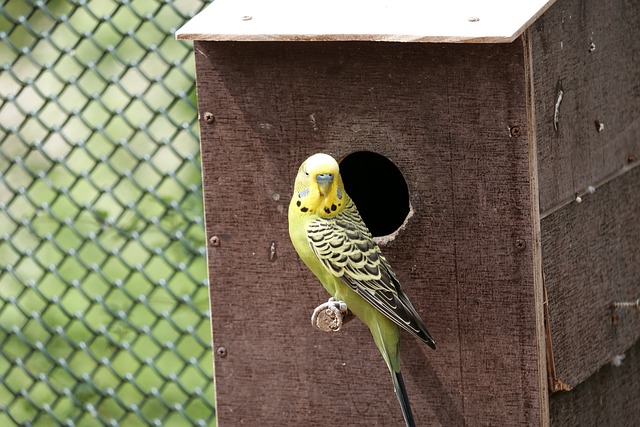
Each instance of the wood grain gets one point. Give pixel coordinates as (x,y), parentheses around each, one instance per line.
(442,114)
(589,50)
(454,21)
(610,397)
(591,256)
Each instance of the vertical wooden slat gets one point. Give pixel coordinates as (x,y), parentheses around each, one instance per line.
(540,295)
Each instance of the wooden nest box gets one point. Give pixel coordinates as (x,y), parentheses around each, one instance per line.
(502,142)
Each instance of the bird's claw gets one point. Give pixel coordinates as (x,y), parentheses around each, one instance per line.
(330,316)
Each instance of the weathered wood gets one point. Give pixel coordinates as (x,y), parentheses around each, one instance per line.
(540,297)
(611,397)
(587,51)
(468,21)
(443,115)
(591,255)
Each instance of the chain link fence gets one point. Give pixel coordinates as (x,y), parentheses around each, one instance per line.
(103,294)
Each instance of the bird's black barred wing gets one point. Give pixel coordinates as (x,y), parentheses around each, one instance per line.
(346,248)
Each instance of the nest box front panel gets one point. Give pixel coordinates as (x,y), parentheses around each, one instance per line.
(454,121)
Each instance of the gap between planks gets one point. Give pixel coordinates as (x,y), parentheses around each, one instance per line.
(590,189)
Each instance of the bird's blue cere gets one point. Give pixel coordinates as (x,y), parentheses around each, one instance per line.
(324,178)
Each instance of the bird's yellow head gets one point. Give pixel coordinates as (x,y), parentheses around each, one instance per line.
(318,189)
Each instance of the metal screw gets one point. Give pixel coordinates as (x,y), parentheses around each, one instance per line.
(627,304)
(246,17)
(209,118)
(214,241)
(474,19)
(622,305)
(520,244)
(222,351)
(514,131)
(599,126)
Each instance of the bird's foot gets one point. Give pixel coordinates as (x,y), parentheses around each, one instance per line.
(330,316)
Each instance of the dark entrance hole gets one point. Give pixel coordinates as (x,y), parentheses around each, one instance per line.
(378,189)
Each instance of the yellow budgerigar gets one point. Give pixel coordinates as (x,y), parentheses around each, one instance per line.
(333,241)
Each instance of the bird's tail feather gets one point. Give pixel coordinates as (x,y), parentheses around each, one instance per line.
(401,393)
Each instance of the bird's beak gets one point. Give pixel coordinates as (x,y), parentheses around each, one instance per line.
(325,180)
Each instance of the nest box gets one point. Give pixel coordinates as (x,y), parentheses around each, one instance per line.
(501,142)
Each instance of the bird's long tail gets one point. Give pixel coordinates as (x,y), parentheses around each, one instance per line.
(389,348)
(401,393)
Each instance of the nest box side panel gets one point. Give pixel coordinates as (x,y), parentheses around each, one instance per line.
(585,63)
(454,120)
(587,102)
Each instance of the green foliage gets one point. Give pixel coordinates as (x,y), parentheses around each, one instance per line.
(103,294)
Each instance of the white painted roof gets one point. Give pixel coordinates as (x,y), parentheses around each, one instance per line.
(451,21)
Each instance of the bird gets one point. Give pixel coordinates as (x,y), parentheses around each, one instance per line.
(331,239)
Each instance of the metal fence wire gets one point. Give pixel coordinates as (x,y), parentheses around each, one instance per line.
(103,294)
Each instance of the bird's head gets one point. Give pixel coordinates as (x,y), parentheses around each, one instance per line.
(318,189)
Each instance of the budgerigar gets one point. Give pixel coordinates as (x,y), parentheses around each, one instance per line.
(333,241)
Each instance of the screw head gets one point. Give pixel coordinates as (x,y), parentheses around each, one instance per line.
(209,118)
(214,241)
(221,351)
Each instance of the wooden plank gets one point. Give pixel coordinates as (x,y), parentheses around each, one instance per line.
(611,397)
(468,21)
(586,56)
(442,114)
(591,259)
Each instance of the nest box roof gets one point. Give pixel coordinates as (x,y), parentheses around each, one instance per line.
(444,21)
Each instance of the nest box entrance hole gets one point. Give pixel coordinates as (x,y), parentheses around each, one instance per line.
(378,189)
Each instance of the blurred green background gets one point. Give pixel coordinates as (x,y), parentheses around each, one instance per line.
(104,316)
